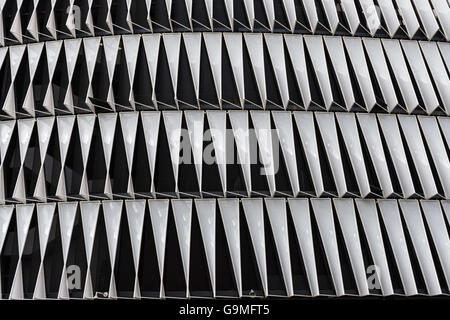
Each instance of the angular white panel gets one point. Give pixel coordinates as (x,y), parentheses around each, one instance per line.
(381,71)
(89,217)
(131,48)
(276,51)
(172,42)
(213,43)
(254,43)
(263,132)
(135,214)
(324,217)
(182,212)
(397,61)
(239,124)
(294,44)
(327,127)
(107,122)
(289,8)
(112,213)
(306,128)
(370,12)
(390,16)
(172,123)
(150,123)
(218,124)
(283,124)
(427,16)
(45,213)
(345,211)
(437,69)
(409,17)
(316,51)
(5,219)
(442,10)
(414,223)
(206,213)
(195,123)
(367,211)
(335,49)
(369,127)
(193,44)
(276,209)
(6,131)
(436,224)
(159,212)
(66,213)
(302,222)
(129,122)
(392,222)
(151,46)
(419,69)
(432,134)
(391,132)
(413,138)
(311,13)
(254,214)
(233,42)
(358,60)
(229,210)
(349,129)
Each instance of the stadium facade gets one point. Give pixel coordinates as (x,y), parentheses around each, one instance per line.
(246,148)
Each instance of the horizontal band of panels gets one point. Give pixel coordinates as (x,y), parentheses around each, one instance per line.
(224,71)
(41,20)
(224,248)
(224,154)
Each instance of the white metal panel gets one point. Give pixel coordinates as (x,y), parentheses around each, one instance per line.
(195,122)
(398,65)
(172,43)
(427,16)
(311,13)
(159,213)
(172,123)
(414,223)
(345,211)
(294,44)
(213,43)
(336,52)
(381,71)
(218,124)
(371,15)
(391,132)
(254,44)
(302,222)
(420,72)
(229,210)
(367,211)
(129,122)
(206,213)
(349,129)
(442,10)
(436,66)
(275,47)
(431,132)
(349,8)
(263,131)
(182,212)
(316,51)
(409,16)
(327,127)
(324,216)
(371,135)
(392,222)
(358,60)
(239,124)
(193,44)
(283,124)
(414,140)
(276,209)
(436,224)
(233,42)
(307,130)
(254,214)
(150,123)
(390,16)
(135,215)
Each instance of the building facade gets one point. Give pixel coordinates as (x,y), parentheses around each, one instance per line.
(246,148)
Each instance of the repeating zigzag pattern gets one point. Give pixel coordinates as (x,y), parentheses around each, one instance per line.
(229,148)
(224,71)
(225,248)
(42,20)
